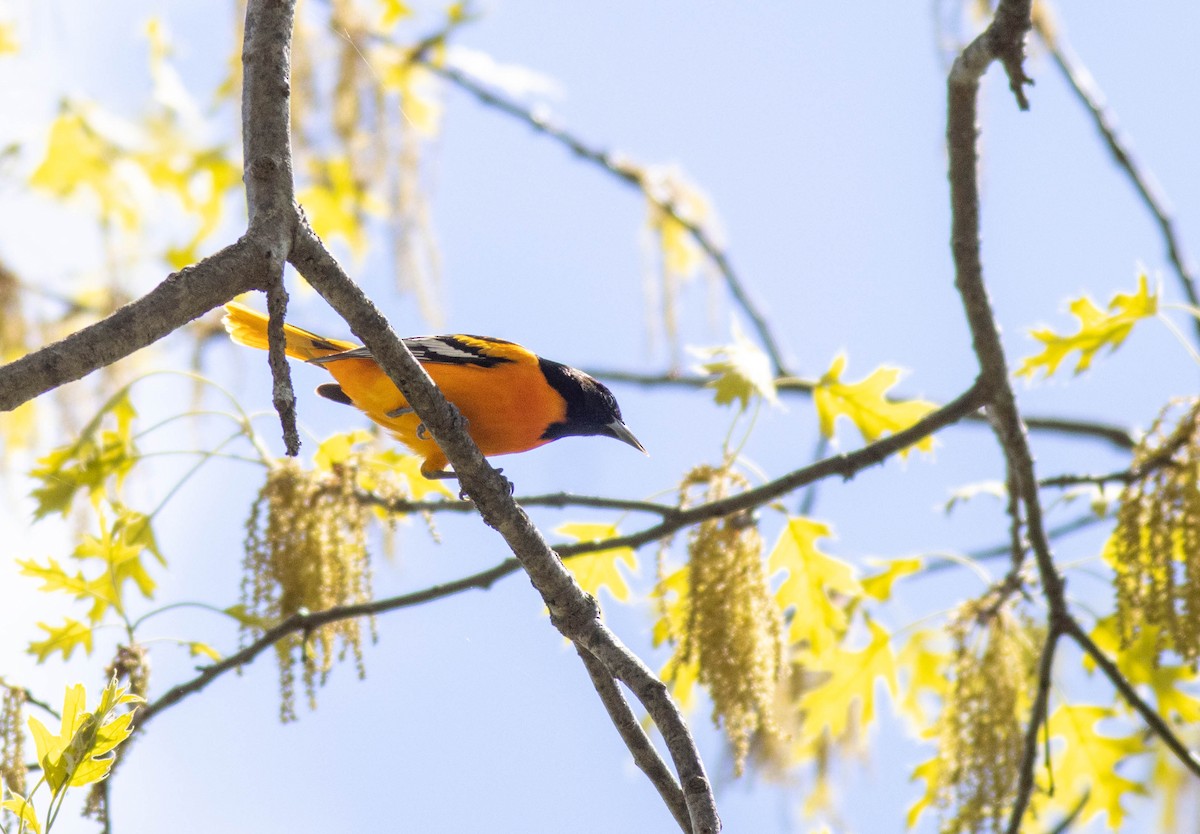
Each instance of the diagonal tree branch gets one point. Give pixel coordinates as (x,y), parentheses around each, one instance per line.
(572,611)
(635,738)
(1154,721)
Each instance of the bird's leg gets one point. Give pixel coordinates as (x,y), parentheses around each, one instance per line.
(399,412)
(447,475)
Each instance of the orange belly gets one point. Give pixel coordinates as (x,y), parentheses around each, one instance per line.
(507,407)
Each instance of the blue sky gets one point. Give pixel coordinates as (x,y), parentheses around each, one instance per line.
(816,130)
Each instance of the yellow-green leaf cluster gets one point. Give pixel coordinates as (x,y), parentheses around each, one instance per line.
(1098,329)
(1155,549)
(22,808)
(867,405)
(99,456)
(742,370)
(82,751)
(981,729)
(81,159)
(834,679)
(730,633)
(306,551)
(114,559)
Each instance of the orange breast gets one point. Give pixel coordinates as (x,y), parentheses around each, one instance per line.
(508,407)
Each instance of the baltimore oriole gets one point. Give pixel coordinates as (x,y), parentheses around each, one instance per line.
(512,399)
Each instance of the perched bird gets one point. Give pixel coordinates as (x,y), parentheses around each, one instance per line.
(512,399)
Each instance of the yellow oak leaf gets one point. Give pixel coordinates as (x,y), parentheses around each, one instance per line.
(55,577)
(203,649)
(867,405)
(8,39)
(78,157)
(79,754)
(672,597)
(931,771)
(850,688)
(337,204)
(597,570)
(337,448)
(23,809)
(818,621)
(393,12)
(1097,329)
(923,662)
(880,585)
(1141,664)
(407,467)
(1085,769)
(65,638)
(743,371)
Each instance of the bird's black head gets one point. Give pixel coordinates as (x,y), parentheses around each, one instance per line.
(591,408)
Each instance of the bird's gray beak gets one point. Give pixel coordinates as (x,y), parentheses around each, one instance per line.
(621,432)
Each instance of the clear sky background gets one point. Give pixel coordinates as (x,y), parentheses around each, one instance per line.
(817,131)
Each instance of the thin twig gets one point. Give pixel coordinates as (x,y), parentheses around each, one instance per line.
(636,740)
(30,698)
(1122,476)
(1016,541)
(553,499)
(1115,435)
(1066,528)
(1084,86)
(282,395)
(1070,819)
(628,174)
(307,622)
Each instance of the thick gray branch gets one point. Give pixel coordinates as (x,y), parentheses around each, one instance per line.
(182,297)
(573,612)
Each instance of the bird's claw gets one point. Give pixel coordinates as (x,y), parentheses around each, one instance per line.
(462,493)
